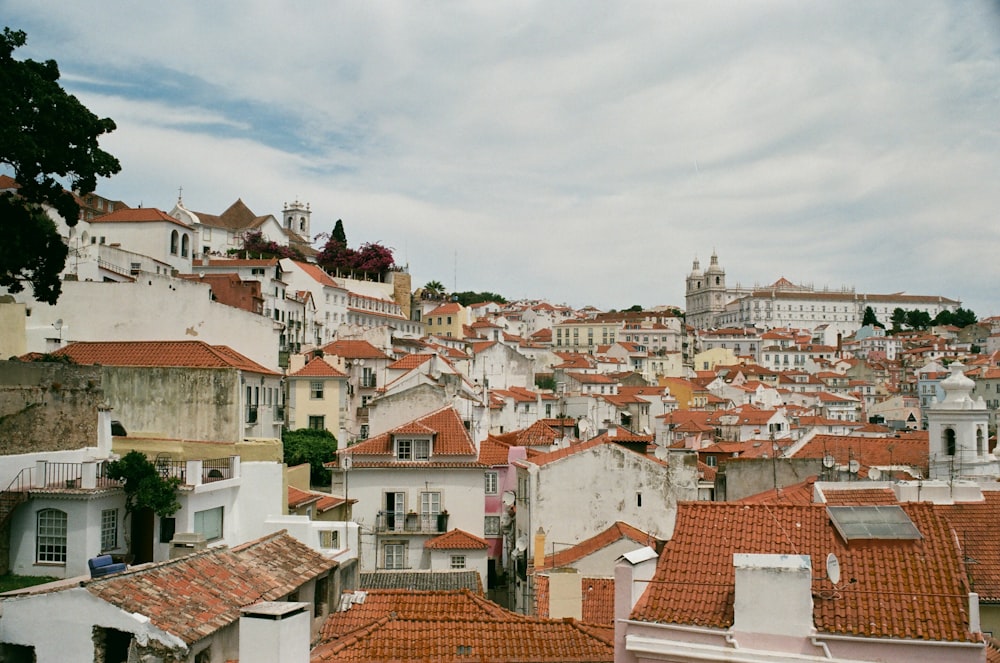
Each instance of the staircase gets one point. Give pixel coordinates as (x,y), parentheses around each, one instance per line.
(15,495)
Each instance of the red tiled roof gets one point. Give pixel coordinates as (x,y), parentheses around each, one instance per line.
(188,354)
(457,539)
(450,438)
(317,367)
(317,274)
(354,350)
(800,493)
(597,598)
(493,451)
(194,596)
(617,532)
(408,626)
(410,361)
(139,215)
(913,589)
(974,524)
(859,496)
(909,449)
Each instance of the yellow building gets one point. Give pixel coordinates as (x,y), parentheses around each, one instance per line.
(447,320)
(317,397)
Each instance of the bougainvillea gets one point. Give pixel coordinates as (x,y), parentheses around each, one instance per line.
(371,258)
(255,246)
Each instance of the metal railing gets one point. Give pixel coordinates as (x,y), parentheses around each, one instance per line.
(411,523)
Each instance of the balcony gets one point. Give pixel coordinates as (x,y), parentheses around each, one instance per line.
(388,522)
(367,382)
(199,472)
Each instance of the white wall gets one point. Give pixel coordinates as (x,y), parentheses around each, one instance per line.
(154,308)
(71,613)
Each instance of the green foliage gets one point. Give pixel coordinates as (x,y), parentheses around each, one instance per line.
(309,445)
(635,308)
(870,320)
(468,298)
(10,582)
(338,232)
(918,319)
(959,318)
(545,381)
(144,487)
(434,290)
(45,134)
(898,318)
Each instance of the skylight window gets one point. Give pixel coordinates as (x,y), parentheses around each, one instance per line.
(873,523)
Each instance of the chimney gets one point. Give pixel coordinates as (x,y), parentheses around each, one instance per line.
(773,595)
(565,594)
(633,571)
(275,631)
(539,560)
(104,431)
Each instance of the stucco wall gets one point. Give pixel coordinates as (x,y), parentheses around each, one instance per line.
(186,403)
(12,339)
(741,478)
(48,406)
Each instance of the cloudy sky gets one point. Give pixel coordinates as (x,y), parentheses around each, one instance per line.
(582,152)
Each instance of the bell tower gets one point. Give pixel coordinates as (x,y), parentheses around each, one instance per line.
(958,433)
(296,218)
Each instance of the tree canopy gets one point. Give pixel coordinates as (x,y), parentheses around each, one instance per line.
(468,298)
(337,257)
(50,140)
(313,446)
(256,246)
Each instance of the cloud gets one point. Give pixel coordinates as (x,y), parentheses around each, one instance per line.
(582,153)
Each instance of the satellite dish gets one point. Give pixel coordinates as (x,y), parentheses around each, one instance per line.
(829,461)
(508,498)
(522,544)
(874,473)
(853,466)
(833,568)
(584,426)
(660,453)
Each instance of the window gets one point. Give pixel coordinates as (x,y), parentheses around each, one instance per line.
(491,526)
(208,523)
(491,483)
(317,423)
(167,528)
(51,536)
(394,556)
(329,538)
(458,561)
(109,529)
(949,441)
(316,389)
(173,242)
(409,449)
(185,243)
(430,504)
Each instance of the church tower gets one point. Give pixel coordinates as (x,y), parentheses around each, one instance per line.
(705,294)
(958,433)
(295,217)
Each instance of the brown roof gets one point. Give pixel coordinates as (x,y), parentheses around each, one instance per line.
(186,354)
(457,539)
(139,215)
(404,626)
(617,532)
(194,596)
(597,599)
(450,438)
(317,368)
(920,585)
(354,350)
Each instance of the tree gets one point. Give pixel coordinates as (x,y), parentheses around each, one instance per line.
(145,488)
(338,232)
(434,290)
(46,135)
(898,318)
(870,319)
(917,319)
(469,298)
(313,446)
(256,246)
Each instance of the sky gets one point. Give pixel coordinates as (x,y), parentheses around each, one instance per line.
(579,152)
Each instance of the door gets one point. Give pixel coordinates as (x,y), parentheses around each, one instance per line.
(395,511)
(142,536)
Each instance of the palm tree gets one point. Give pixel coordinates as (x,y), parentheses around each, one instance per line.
(434,290)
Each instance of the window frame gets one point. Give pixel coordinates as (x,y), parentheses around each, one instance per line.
(207,529)
(109,529)
(51,532)
(398,555)
(316,390)
(491,482)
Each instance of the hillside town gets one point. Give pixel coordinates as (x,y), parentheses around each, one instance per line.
(766,473)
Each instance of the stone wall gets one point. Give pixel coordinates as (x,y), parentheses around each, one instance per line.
(48,406)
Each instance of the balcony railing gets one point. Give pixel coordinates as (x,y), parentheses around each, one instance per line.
(367,381)
(252,414)
(196,472)
(411,523)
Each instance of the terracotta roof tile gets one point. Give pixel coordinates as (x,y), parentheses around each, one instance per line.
(318,367)
(433,626)
(194,596)
(457,539)
(617,532)
(139,215)
(187,354)
(450,438)
(350,349)
(423,581)
(974,524)
(899,589)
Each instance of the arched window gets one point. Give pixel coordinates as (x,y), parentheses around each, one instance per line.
(50,536)
(716,280)
(173,243)
(185,244)
(949,441)
(979,442)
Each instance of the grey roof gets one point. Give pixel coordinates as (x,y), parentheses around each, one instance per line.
(423,580)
